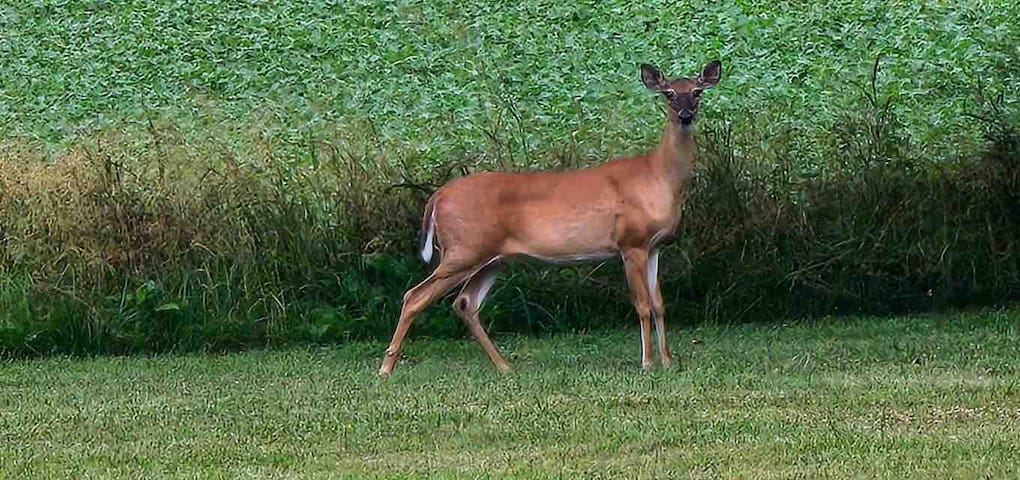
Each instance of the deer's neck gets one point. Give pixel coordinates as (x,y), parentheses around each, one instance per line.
(674,156)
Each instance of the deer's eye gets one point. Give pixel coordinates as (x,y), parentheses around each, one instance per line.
(670,94)
(696,92)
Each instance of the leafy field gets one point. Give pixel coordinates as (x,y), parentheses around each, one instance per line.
(915,397)
(431,76)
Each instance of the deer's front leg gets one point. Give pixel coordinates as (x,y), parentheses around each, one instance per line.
(635,262)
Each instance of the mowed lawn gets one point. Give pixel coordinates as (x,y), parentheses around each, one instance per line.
(918,397)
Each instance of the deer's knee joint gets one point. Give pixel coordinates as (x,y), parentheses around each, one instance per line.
(658,309)
(641,302)
(644,315)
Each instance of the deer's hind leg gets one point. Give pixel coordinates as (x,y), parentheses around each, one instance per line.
(469,302)
(442,280)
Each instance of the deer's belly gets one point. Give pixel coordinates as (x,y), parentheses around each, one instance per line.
(574,258)
(563,239)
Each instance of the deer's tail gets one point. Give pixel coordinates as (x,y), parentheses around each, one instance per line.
(428,228)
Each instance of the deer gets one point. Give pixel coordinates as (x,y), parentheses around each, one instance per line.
(627,207)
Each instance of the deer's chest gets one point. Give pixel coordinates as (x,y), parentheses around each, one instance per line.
(649,217)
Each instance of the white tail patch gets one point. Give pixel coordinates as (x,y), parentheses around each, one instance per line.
(430,234)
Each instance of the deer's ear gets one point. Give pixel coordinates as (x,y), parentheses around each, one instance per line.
(653,79)
(710,74)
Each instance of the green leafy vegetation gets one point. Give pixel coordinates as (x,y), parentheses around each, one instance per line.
(212,175)
(914,397)
(431,74)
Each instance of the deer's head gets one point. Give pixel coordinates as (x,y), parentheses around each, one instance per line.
(681,93)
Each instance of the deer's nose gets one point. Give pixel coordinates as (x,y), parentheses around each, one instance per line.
(686,116)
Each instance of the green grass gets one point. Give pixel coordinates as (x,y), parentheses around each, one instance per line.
(918,397)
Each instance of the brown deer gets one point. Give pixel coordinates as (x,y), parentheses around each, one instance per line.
(625,207)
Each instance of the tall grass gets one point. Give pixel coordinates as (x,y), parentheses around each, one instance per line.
(238,188)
